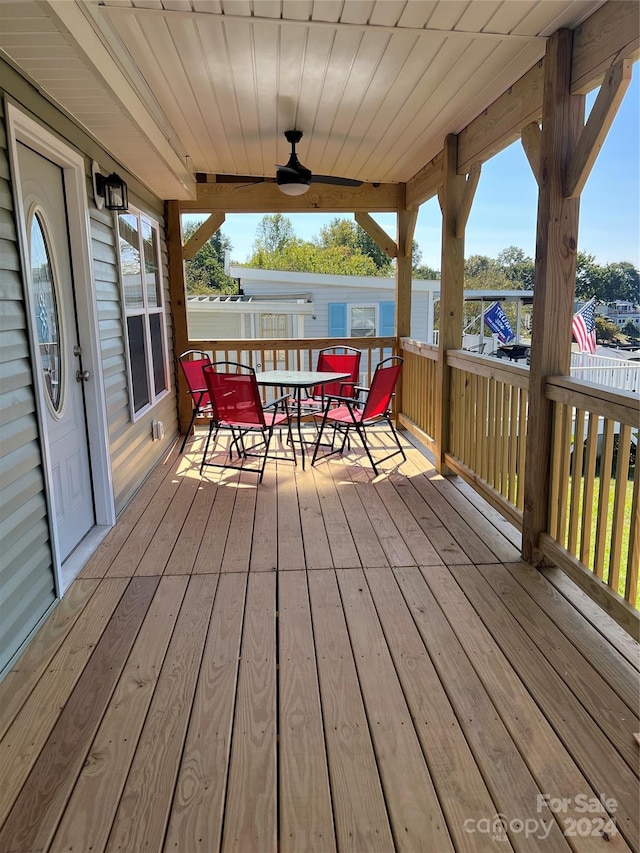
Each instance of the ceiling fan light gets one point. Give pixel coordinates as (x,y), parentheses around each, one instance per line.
(294,188)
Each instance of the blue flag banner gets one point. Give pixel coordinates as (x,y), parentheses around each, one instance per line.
(498,322)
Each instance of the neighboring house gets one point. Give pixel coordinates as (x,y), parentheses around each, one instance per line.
(86,357)
(620,313)
(275,304)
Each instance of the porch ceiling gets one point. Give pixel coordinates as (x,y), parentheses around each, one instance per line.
(175,87)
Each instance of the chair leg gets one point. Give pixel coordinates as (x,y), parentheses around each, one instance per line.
(186,435)
(206,446)
(363,439)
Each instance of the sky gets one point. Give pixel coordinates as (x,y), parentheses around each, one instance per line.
(504,208)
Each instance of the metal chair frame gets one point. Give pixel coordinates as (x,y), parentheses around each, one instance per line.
(257,417)
(354,414)
(316,397)
(199,395)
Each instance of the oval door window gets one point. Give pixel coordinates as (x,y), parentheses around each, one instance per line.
(47,314)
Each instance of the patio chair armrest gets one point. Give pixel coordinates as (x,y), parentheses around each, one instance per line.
(276,402)
(334,398)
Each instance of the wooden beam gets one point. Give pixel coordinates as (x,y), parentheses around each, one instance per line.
(531,140)
(200,237)
(451,295)
(555,269)
(178,306)
(471,185)
(611,34)
(424,184)
(501,123)
(377,234)
(267,198)
(594,133)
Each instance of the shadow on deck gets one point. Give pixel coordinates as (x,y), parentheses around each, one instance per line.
(329,661)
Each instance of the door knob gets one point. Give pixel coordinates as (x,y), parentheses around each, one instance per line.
(82,376)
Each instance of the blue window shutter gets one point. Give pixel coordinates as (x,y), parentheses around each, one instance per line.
(337,319)
(387,319)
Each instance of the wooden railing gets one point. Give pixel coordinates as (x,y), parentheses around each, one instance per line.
(293,353)
(419,389)
(594,531)
(488,428)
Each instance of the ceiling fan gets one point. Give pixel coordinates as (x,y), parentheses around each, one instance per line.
(294,178)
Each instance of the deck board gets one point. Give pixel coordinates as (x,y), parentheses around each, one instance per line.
(93,804)
(331,660)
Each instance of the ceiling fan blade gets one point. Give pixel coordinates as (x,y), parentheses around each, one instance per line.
(240,179)
(341,182)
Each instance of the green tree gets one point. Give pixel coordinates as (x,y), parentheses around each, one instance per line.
(517,268)
(204,273)
(605,330)
(274,233)
(344,232)
(418,269)
(301,256)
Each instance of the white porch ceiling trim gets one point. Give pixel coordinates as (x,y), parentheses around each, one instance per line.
(314,24)
(96,55)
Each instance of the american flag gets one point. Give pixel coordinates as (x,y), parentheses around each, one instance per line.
(584,326)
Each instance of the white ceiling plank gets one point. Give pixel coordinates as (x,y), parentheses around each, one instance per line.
(301,86)
(195,92)
(357,12)
(415,84)
(386,13)
(447,14)
(264,142)
(377,109)
(297,9)
(150,45)
(416,13)
(478,16)
(224,121)
(365,63)
(417,116)
(326,10)
(208,6)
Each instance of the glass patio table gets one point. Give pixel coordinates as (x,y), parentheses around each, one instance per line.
(298,379)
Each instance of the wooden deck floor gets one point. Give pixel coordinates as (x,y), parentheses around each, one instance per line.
(329,661)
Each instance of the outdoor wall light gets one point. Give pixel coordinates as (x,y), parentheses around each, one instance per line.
(110,192)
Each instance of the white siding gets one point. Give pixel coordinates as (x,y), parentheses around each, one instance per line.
(26,568)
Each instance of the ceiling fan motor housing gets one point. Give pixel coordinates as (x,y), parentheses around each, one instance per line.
(294,173)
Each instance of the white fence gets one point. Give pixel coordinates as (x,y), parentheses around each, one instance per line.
(615,373)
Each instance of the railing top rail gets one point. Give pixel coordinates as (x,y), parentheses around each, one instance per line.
(419,348)
(490,367)
(258,344)
(616,405)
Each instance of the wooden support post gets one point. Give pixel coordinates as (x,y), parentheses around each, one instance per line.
(406,226)
(555,270)
(451,291)
(178,306)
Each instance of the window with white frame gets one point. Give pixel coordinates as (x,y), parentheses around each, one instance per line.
(141,278)
(362,321)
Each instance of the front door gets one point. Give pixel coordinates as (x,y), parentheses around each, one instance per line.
(59,356)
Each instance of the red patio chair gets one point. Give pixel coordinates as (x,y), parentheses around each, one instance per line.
(236,404)
(339,359)
(193,362)
(345,414)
